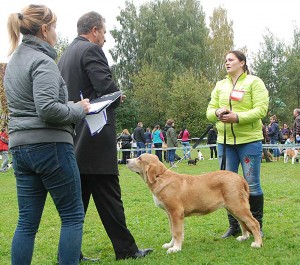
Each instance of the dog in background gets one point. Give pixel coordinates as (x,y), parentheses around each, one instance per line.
(200,156)
(269,155)
(193,161)
(290,153)
(182,195)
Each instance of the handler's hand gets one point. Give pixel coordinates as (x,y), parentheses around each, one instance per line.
(85,103)
(122,98)
(231,117)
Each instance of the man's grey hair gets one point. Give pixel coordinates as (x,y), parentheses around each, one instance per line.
(89,20)
(297,111)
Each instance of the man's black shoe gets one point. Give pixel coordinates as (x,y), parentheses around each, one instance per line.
(142,253)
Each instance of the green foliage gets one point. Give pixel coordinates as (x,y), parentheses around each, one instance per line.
(150,227)
(3,102)
(60,46)
(220,42)
(151,96)
(278,65)
(157,45)
(188,101)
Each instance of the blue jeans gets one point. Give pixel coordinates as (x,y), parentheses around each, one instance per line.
(171,154)
(186,149)
(249,156)
(149,146)
(276,152)
(39,169)
(140,145)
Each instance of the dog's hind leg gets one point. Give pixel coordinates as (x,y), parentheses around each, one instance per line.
(249,223)
(177,228)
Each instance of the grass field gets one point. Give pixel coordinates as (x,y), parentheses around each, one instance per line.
(149,225)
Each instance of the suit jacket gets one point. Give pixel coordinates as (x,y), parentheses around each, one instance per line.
(85,70)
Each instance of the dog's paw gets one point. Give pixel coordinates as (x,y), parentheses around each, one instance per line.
(255,245)
(173,250)
(242,238)
(167,245)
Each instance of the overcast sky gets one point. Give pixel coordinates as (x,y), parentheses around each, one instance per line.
(250,18)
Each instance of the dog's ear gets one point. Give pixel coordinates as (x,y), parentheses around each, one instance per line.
(151,172)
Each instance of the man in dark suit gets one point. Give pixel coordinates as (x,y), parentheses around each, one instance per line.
(85,69)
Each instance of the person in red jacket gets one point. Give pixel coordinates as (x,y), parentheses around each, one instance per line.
(4,150)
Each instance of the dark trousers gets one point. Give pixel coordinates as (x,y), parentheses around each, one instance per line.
(106,193)
(125,155)
(213,150)
(158,152)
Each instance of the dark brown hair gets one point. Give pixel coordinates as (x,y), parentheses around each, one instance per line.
(242,57)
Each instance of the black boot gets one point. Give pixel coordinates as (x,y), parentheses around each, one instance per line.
(257,209)
(234,227)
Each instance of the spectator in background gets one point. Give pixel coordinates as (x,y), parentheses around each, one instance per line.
(297,125)
(171,141)
(158,140)
(273,134)
(212,139)
(139,137)
(125,139)
(164,145)
(265,140)
(184,135)
(285,132)
(148,137)
(4,150)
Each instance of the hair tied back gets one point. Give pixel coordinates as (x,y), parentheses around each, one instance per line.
(20,16)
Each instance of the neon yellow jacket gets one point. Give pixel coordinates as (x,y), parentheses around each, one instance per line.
(250,110)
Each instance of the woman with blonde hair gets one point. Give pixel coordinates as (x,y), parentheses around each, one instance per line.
(126,139)
(41,135)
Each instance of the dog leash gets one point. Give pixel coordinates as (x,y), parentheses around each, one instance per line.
(195,145)
(223,163)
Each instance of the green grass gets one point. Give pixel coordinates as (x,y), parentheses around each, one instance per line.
(149,224)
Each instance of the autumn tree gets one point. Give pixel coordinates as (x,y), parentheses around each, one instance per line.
(221,40)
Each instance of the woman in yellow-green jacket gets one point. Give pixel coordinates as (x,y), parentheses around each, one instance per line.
(238,103)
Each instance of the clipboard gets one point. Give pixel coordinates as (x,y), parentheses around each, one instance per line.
(96,118)
(98,104)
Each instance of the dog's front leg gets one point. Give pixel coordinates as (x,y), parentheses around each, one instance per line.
(176,224)
(171,243)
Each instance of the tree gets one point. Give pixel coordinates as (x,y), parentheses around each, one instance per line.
(3,103)
(60,46)
(221,41)
(290,93)
(171,36)
(188,102)
(150,95)
(268,65)
(125,52)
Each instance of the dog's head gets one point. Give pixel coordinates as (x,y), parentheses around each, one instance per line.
(147,166)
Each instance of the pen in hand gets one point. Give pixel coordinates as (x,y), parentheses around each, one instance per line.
(81,96)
